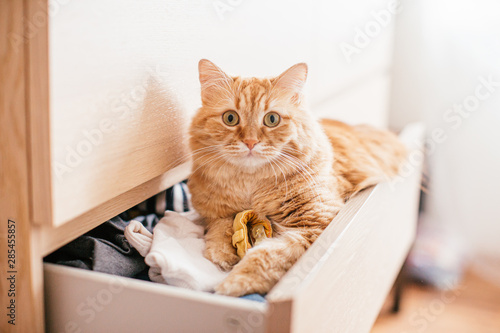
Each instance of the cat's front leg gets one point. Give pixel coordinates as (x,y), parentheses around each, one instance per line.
(219,248)
(263,266)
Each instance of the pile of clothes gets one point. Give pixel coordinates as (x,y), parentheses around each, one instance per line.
(160,240)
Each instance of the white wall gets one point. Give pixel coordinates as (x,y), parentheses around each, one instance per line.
(445,51)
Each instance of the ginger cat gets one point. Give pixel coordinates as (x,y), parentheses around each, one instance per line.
(255,146)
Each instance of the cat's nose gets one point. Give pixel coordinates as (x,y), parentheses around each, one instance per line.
(250,143)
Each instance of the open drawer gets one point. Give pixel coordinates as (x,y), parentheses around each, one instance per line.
(338,285)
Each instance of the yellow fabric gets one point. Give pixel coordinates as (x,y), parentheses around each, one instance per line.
(242,230)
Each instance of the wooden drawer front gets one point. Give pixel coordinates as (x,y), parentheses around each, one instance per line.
(113,84)
(338,285)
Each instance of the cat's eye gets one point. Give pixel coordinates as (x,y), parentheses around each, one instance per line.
(272,119)
(231,118)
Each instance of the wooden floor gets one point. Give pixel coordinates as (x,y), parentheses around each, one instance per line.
(474,307)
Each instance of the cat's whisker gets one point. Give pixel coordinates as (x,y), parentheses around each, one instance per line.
(275,162)
(298,161)
(302,170)
(210,163)
(207,158)
(185,158)
(217,175)
(207,163)
(308,177)
(289,151)
(275,175)
(284,177)
(309,181)
(293,150)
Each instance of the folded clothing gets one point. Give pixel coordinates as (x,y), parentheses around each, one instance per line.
(105,248)
(174,252)
(173,246)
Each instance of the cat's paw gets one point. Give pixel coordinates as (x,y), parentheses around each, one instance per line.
(240,284)
(222,256)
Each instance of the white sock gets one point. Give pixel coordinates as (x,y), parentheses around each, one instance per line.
(139,237)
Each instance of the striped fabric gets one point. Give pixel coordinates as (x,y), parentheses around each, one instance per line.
(176,198)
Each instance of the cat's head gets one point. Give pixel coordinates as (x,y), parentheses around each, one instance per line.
(250,122)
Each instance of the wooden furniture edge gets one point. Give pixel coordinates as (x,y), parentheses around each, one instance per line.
(38,110)
(53,238)
(279,316)
(22,283)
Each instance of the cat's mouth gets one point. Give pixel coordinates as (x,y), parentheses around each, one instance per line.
(253,154)
(250,159)
(247,158)
(250,156)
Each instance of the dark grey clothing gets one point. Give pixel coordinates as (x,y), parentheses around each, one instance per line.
(103,249)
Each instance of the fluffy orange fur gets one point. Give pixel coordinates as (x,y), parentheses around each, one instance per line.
(298,174)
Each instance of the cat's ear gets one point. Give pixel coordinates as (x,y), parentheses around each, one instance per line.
(213,81)
(292,81)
